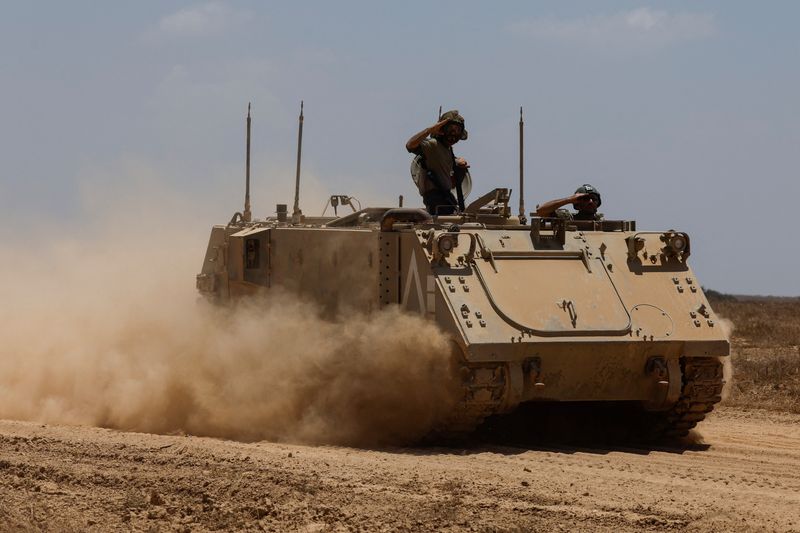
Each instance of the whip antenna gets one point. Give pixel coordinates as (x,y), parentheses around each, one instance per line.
(247,215)
(521,179)
(297,214)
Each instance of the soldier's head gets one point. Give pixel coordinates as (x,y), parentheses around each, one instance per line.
(590,200)
(454,130)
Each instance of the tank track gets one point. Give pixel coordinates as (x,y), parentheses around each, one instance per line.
(465,418)
(479,401)
(701,391)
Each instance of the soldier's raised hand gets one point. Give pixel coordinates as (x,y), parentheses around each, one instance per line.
(437,128)
(578,196)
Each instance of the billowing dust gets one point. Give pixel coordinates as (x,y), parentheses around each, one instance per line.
(727,365)
(695,436)
(109,331)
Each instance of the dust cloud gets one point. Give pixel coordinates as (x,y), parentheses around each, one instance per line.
(727,362)
(108,330)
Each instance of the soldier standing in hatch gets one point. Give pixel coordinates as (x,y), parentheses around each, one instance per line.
(441,170)
(586,200)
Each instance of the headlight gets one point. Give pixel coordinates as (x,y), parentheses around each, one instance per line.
(677,243)
(445,243)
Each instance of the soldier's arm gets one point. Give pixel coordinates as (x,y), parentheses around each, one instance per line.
(413,143)
(548,208)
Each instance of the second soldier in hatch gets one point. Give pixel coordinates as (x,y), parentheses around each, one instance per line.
(586,200)
(439,171)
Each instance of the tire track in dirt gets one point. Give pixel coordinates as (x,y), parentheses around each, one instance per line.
(55,478)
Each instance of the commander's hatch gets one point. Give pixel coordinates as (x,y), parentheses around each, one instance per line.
(552,292)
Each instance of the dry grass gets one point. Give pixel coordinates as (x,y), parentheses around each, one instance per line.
(765,347)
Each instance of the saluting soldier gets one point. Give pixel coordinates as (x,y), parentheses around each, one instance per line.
(437,170)
(585,201)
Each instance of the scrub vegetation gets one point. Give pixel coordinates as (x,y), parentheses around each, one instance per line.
(765,350)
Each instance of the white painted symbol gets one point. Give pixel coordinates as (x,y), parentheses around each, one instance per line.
(413,273)
(431,294)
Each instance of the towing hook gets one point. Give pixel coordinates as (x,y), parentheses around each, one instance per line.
(657,367)
(532,367)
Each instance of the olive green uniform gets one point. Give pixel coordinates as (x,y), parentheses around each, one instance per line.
(566,214)
(440,162)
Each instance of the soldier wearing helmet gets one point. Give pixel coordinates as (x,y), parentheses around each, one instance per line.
(439,170)
(586,200)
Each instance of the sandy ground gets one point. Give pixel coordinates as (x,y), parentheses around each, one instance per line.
(59,478)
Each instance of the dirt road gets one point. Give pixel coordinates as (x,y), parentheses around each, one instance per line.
(57,478)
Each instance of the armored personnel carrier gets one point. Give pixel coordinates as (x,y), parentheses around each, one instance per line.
(549,310)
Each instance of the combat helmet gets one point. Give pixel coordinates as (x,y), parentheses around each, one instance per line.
(454,117)
(589,189)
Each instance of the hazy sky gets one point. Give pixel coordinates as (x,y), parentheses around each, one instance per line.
(685,115)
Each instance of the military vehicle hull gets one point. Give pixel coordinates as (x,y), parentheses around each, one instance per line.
(551,311)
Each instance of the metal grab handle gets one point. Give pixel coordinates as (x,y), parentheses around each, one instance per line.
(569,307)
(573,315)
